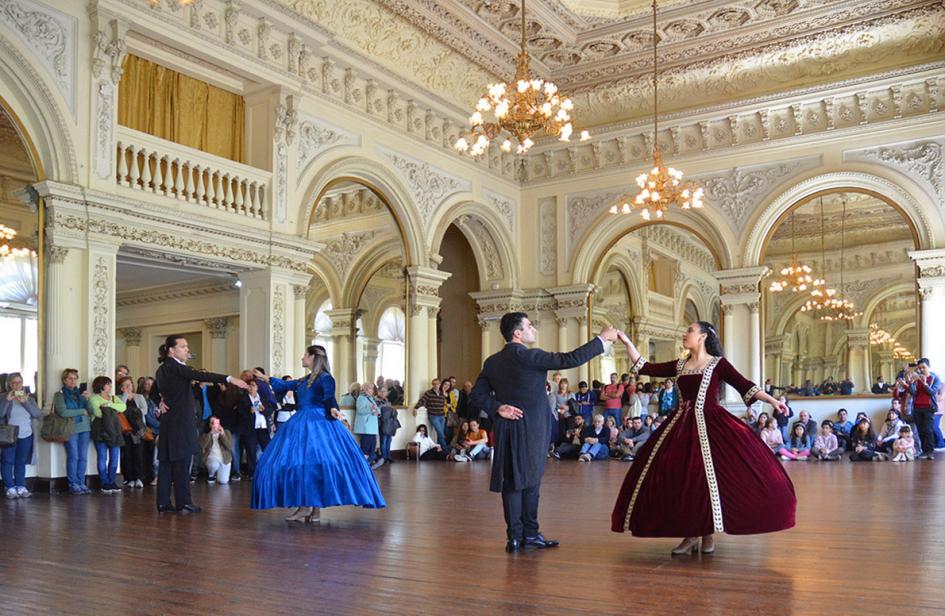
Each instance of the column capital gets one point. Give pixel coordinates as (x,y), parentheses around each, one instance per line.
(300,291)
(217,326)
(131,335)
(424,288)
(741,286)
(56,255)
(342,320)
(858,337)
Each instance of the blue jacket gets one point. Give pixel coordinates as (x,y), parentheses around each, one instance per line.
(365,421)
(932,389)
(798,443)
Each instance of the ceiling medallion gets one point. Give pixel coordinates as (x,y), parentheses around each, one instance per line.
(796,277)
(662,187)
(522,111)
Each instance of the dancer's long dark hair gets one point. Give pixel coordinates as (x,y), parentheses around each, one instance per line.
(320,363)
(713,346)
(169,342)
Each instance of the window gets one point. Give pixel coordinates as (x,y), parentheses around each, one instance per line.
(19,336)
(323,328)
(391,351)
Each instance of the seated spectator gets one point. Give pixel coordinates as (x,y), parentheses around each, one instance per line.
(784,419)
(807,389)
(17,408)
(216,449)
(456,445)
(760,423)
(350,399)
(657,422)
(904,447)
(570,445)
(810,426)
(611,425)
(828,387)
(595,438)
(476,443)
(889,432)
(826,445)
(845,387)
(427,449)
(880,386)
(797,447)
(648,422)
(907,414)
(771,436)
(106,432)
(632,438)
(842,428)
(863,442)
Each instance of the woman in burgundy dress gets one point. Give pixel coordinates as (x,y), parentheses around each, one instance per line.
(703,471)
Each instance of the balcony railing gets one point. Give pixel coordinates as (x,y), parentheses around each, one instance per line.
(165,168)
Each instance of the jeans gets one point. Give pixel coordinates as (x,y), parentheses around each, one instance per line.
(439,426)
(107,462)
(369,446)
(235,437)
(216,468)
(785,433)
(479,452)
(925,418)
(77,457)
(386,440)
(13,461)
(598,451)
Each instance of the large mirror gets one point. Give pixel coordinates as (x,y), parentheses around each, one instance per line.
(357,301)
(859,244)
(19,262)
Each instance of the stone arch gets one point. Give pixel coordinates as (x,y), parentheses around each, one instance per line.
(915,211)
(39,118)
(588,257)
(629,270)
(383,182)
(324,286)
(876,300)
(488,236)
(363,270)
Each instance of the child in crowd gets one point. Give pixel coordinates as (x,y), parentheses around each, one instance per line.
(797,446)
(863,441)
(826,445)
(771,435)
(889,432)
(904,447)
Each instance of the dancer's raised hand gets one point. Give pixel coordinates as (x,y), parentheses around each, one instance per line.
(622,336)
(510,412)
(609,334)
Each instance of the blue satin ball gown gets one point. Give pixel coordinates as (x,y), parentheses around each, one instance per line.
(313,461)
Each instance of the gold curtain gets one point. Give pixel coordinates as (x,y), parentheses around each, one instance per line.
(156,100)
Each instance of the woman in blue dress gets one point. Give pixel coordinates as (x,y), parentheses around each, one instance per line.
(313,461)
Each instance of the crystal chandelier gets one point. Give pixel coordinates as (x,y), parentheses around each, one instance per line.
(522,110)
(902,353)
(6,251)
(879,336)
(795,277)
(662,187)
(821,296)
(840,308)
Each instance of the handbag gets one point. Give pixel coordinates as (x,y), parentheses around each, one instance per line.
(8,435)
(56,429)
(148,435)
(125,424)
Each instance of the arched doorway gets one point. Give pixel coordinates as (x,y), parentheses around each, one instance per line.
(458,336)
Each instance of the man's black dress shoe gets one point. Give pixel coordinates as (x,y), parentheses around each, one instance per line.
(165,509)
(539,541)
(191,508)
(513,545)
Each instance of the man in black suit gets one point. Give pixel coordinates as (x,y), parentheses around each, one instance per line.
(511,390)
(178,440)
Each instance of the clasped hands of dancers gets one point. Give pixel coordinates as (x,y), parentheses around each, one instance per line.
(702,471)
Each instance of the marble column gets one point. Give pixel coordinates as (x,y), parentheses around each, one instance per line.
(433,342)
(218,351)
(487,326)
(132,338)
(344,338)
(931,281)
(418,377)
(741,322)
(424,304)
(266,318)
(369,358)
(299,341)
(857,344)
(101,266)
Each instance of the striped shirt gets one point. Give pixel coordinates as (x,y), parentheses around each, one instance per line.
(434,401)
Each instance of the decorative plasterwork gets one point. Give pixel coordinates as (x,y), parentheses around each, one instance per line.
(737,191)
(217,327)
(51,35)
(104,128)
(131,336)
(348,204)
(173,292)
(278,329)
(317,136)
(504,205)
(483,240)
(548,233)
(429,185)
(584,208)
(101,334)
(343,251)
(920,160)
(680,245)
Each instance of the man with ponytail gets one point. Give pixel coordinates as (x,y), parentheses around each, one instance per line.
(178,441)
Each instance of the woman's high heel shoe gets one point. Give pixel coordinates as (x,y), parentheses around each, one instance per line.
(689,545)
(294,516)
(708,544)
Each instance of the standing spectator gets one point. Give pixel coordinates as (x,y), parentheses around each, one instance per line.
(924,386)
(771,435)
(434,401)
(863,441)
(904,447)
(611,395)
(106,431)
(826,445)
(396,393)
(145,388)
(585,400)
(287,405)
(563,401)
(17,408)
(449,408)
(217,453)
(628,398)
(464,409)
(797,447)
(595,437)
(350,399)
(783,419)
(255,421)
(843,427)
(846,387)
(769,387)
(132,451)
(365,422)
(72,402)
(668,399)
(880,386)
(388,424)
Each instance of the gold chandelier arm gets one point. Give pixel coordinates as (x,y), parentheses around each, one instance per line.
(656,110)
(523,26)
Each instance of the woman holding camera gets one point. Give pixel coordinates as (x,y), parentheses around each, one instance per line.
(19,409)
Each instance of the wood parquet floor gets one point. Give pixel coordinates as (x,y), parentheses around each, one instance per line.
(868,540)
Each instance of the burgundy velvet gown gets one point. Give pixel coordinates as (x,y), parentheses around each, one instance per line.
(704,470)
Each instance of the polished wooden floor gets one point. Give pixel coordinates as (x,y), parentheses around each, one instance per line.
(868,537)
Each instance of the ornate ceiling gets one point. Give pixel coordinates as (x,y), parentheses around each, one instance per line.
(711,51)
